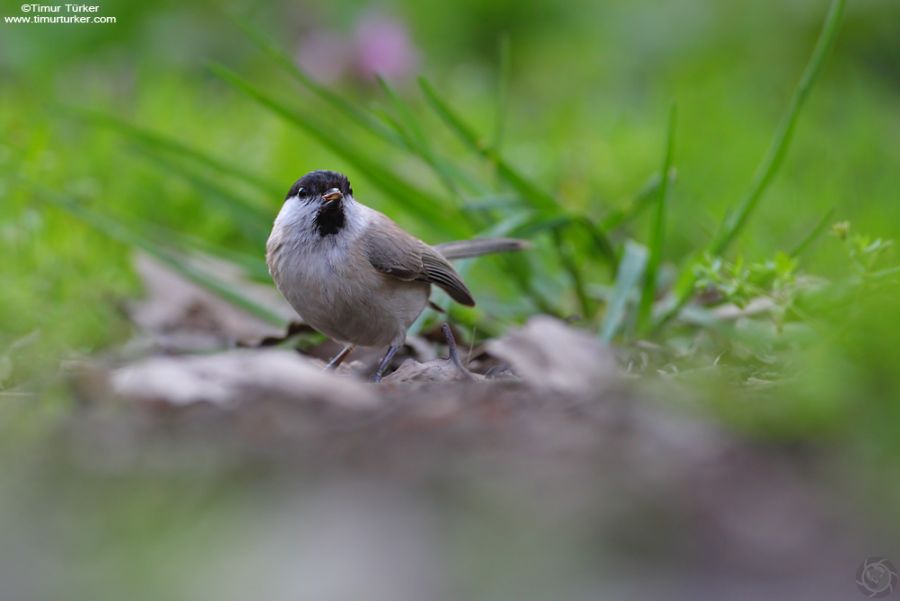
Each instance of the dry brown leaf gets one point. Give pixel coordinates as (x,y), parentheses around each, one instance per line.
(232,377)
(183,315)
(553,356)
(437,370)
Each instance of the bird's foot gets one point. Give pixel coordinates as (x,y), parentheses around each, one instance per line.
(453,351)
(339,358)
(385,361)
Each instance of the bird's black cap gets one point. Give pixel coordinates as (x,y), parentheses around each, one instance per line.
(316,183)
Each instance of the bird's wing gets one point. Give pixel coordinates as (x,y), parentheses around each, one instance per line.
(394,252)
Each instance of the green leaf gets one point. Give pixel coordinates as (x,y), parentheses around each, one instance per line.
(641,201)
(631,269)
(535,196)
(418,143)
(252,265)
(813,235)
(536,223)
(166,144)
(425,206)
(117,230)
(253,220)
(571,266)
(492,202)
(737,218)
(658,231)
(353,113)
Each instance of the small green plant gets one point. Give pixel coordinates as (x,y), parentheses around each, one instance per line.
(864,251)
(740,282)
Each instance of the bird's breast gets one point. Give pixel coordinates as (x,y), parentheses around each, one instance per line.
(338,292)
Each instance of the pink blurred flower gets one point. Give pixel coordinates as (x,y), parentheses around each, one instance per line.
(379,46)
(383,47)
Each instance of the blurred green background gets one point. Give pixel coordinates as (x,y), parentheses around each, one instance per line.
(583,116)
(579,92)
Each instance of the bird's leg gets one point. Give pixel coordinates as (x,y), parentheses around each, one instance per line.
(453,350)
(339,358)
(392,350)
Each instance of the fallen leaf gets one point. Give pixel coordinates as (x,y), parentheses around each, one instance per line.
(550,355)
(182,315)
(229,378)
(436,370)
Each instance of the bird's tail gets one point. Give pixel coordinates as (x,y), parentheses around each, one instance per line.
(464,249)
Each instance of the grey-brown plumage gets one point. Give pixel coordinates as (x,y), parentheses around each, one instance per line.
(352,273)
(392,251)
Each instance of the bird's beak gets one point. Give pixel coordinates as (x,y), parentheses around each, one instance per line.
(332,195)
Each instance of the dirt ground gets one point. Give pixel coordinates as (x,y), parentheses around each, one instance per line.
(541,471)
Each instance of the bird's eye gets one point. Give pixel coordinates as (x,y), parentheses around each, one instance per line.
(301,191)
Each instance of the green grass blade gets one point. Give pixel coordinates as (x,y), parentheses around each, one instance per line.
(404,115)
(252,220)
(570,265)
(599,239)
(430,210)
(884,273)
(535,196)
(492,202)
(514,221)
(813,235)
(352,112)
(253,265)
(126,235)
(404,133)
(170,145)
(631,268)
(737,218)
(641,201)
(449,176)
(408,142)
(523,224)
(547,207)
(658,231)
(531,224)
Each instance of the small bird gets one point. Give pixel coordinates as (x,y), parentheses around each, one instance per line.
(353,274)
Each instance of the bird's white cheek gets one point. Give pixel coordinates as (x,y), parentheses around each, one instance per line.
(293,213)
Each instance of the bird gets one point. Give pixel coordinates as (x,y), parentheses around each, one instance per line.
(353,274)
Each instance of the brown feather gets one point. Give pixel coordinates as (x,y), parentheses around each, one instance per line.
(394,252)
